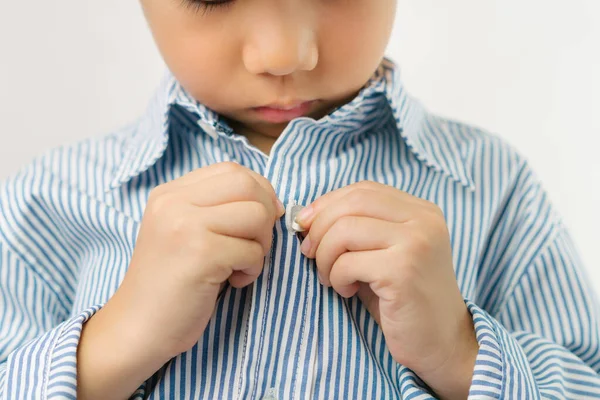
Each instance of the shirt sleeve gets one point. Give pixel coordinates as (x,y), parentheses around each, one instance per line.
(544,341)
(536,316)
(39,327)
(535,313)
(38,347)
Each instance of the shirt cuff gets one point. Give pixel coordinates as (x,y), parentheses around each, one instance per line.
(501,368)
(46,367)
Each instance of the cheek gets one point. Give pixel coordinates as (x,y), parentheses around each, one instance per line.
(202,65)
(198,52)
(205,54)
(358,35)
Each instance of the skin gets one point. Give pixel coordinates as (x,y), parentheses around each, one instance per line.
(393,251)
(253,53)
(389,248)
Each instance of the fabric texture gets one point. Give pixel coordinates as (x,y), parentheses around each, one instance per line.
(69,223)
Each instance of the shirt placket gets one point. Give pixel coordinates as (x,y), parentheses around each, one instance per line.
(260,339)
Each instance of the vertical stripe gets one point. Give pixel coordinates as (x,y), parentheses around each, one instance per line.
(69,224)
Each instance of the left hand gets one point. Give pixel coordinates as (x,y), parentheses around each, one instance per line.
(393,251)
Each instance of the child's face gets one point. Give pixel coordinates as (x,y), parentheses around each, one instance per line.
(246,54)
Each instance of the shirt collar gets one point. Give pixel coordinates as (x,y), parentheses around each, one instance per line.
(427,136)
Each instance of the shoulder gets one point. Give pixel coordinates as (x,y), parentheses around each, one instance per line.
(33,194)
(488,157)
(504,178)
(81,165)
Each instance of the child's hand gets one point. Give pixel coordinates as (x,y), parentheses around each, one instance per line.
(199,231)
(208,227)
(393,250)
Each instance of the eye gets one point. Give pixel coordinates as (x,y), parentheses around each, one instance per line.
(205,6)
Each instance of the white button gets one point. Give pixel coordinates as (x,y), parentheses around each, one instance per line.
(208,128)
(291,213)
(270,395)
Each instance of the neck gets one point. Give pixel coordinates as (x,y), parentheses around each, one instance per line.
(263,136)
(262,142)
(261,139)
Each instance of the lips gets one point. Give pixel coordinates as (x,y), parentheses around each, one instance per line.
(279,113)
(287,107)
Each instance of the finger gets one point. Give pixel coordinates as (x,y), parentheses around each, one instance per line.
(353,234)
(333,198)
(352,268)
(366,203)
(245,220)
(370,300)
(240,262)
(268,187)
(200,174)
(264,183)
(223,170)
(223,189)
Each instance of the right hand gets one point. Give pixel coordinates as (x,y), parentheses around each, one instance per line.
(211,226)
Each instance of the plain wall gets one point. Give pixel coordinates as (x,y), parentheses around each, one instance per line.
(527,70)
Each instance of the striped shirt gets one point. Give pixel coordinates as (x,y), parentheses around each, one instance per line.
(69,222)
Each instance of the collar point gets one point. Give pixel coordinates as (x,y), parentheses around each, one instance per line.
(464,179)
(471,186)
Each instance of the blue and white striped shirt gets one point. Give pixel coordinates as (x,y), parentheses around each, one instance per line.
(69,221)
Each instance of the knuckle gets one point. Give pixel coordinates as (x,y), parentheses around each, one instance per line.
(399,281)
(243,181)
(176,227)
(203,245)
(162,204)
(359,198)
(436,209)
(436,226)
(158,191)
(254,260)
(341,264)
(440,229)
(260,213)
(384,284)
(365,184)
(420,244)
(433,208)
(229,166)
(344,225)
(214,263)
(168,219)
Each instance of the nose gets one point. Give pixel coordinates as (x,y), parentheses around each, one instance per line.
(281,44)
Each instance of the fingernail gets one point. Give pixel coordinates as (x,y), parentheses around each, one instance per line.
(306,245)
(280,207)
(320,277)
(305,214)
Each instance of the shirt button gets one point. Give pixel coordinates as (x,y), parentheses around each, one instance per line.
(290,217)
(270,395)
(208,128)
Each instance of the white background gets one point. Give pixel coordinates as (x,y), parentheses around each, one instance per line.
(525,69)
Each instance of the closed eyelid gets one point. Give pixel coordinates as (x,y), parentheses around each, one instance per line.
(204,5)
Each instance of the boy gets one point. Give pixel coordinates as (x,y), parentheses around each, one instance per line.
(155,262)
